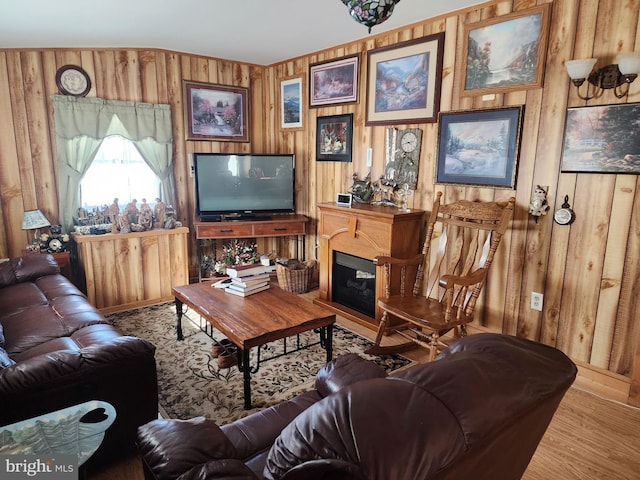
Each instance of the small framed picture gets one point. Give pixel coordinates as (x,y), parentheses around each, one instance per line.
(403,83)
(291,102)
(216,112)
(600,139)
(334,82)
(479,147)
(505,53)
(334,138)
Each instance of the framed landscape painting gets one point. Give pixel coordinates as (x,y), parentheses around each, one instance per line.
(334,82)
(602,139)
(291,103)
(334,138)
(505,53)
(479,147)
(403,84)
(216,112)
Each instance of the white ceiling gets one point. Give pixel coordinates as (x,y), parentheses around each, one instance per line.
(262,32)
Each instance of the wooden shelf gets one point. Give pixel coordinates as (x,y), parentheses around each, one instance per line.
(278,226)
(123,271)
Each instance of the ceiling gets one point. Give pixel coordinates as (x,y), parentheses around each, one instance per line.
(261,32)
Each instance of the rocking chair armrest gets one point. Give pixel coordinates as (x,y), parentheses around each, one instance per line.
(384,260)
(448,281)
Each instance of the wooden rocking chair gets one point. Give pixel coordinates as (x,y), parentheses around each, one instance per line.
(467,235)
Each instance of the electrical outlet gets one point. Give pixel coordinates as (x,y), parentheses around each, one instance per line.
(369,156)
(536,301)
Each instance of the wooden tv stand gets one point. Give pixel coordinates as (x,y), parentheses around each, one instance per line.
(282,225)
(365,231)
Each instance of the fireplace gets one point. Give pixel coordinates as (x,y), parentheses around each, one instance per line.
(354,283)
(350,238)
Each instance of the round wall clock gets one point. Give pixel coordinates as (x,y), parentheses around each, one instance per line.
(73,80)
(409,142)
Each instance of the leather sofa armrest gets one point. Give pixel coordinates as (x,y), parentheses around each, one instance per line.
(57,368)
(171,448)
(27,268)
(346,370)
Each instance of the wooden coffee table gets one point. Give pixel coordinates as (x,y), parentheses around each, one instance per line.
(254,320)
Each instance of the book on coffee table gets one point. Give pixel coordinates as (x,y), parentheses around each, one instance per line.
(246,293)
(245,270)
(251,280)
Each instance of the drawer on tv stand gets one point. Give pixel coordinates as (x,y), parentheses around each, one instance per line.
(223,229)
(272,229)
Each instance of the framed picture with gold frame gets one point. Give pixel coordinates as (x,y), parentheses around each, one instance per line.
(403,83)
(505,53)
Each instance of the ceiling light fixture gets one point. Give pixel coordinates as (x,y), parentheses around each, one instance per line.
(608,77)
(370,12)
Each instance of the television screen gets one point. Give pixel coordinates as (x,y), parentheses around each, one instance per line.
(243,185)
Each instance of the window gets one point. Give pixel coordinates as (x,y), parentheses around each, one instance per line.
(118,171)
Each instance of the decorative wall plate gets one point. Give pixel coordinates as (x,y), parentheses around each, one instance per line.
(73,80)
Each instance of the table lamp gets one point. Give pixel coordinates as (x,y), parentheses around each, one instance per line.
(34,220)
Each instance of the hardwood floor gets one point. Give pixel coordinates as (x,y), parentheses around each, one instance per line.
(589,438)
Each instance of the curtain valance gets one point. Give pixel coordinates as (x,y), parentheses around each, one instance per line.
(92,117)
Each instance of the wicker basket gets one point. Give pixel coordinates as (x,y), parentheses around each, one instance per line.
(297,278)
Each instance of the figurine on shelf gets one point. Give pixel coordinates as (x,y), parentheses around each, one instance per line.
(160,213)
(132,211)
(114,216)
(170,223)
(145,219)
(124,225)
(362,190)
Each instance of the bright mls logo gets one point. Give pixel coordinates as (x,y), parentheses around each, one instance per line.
(19,467)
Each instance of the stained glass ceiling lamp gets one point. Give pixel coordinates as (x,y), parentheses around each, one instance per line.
(370,12)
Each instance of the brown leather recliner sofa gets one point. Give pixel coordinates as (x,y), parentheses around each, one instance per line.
(477,412)
(57,350)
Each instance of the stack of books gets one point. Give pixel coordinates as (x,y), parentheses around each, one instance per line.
(247,279)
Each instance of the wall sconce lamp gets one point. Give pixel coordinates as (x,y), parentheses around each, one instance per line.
(612,76)
(370,12)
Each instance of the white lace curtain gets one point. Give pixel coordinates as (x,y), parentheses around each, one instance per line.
(83,123)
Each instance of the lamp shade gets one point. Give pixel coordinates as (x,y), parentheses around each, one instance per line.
(580,69)
(628,63)
(34,219)
(370,12)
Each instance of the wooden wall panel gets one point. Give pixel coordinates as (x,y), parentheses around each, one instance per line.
(588,272)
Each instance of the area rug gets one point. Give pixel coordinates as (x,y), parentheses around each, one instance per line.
(191,384)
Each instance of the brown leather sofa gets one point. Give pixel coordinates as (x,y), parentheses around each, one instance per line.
(57,350)
(477,412)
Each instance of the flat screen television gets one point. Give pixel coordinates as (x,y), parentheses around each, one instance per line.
(241,186)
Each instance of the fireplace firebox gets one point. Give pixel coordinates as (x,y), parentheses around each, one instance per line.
(354,283)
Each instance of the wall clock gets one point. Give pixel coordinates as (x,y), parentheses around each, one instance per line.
(73,80)
(564,215)
(403,157)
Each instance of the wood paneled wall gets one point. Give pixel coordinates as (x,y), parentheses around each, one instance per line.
(589,272)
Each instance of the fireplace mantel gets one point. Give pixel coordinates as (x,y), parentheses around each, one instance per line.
(365,231)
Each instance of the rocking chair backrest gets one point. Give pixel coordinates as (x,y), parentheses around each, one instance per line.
(461,238)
